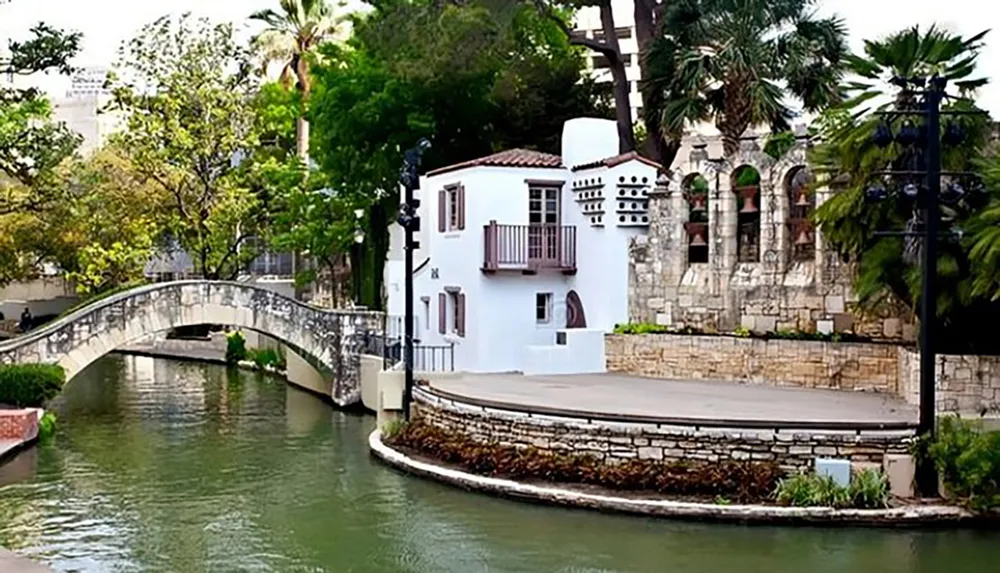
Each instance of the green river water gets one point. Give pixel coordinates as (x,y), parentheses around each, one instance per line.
(169,466)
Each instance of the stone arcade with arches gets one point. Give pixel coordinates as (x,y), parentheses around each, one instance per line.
(731,244)
(330,340)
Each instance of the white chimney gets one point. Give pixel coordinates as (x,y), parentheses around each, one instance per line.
(588,139)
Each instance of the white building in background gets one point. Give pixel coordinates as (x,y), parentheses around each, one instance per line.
(588,23)
(523,258)
(81,107)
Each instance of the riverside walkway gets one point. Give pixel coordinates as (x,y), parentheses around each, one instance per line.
(613,396)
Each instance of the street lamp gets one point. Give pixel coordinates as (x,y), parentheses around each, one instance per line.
(409,219)
(915,177)
(359,238)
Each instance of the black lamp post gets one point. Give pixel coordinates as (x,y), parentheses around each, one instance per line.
(409,219)
(917,176)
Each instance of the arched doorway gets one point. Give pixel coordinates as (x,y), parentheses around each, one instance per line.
(575,318)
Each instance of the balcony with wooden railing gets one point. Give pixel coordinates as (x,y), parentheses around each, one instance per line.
(529,248)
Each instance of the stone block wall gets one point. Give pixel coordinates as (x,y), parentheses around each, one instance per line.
(808,364)
(778,291)
(614,442)
(967,385)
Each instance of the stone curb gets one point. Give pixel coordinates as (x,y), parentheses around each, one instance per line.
(923,515)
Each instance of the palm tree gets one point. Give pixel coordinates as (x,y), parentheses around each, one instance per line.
(737,62)
(847,154)
(291,36)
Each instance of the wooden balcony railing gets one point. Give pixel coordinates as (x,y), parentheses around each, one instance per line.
(529,248)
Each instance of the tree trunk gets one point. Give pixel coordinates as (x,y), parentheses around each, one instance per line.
(302,138)
(659,149)
(736,113)
(623,107)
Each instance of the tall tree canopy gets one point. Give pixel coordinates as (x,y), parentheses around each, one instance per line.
(472,78)
(191,127)
(736,63)
(888,267)
(291,37)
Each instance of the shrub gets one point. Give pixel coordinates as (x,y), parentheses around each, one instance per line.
(47,426)
(870,489)
(968,460)
(236,347)
(30,385)
(742,481)
(265,357)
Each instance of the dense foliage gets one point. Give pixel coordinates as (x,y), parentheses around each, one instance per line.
(236,347)
(473,78)
(888,269)
(736,63)
(744,482)
(30,385)
(968,459)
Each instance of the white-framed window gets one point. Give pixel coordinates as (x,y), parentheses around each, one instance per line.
(427,312)
(451,208)
(543,307)
(451,312)
(452,195)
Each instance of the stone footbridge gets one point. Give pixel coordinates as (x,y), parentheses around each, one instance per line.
(331,340)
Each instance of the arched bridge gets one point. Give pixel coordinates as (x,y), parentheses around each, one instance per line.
(331,339)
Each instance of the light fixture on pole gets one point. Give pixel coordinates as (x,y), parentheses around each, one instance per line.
(409,219)
(918,173)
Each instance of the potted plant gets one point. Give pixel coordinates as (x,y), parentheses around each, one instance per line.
(747,185)
(697,193)
(697,233)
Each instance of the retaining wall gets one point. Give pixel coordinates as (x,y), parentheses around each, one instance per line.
(809,364)
(614,441)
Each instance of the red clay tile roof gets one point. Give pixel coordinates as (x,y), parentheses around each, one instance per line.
(509,158)
(617,160)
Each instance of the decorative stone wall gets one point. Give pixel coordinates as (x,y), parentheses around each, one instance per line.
(331,339)
(809,364)
(967,385)
(21,425)
(778,290)
(613,441)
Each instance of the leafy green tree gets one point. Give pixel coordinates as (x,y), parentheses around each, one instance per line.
(469,78)
(31,144)
(291,37)
(737,62)
(888,269)
(191,127)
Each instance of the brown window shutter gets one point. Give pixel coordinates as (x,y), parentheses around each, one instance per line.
(461,207)
(442,313)
(460,312)
(442,211)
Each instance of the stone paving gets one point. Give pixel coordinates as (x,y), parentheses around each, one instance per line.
(614,394)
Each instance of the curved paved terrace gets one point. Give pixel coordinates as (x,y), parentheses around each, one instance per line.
(613,396)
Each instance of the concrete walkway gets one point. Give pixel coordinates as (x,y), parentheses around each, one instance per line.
(11,563)
(618,395)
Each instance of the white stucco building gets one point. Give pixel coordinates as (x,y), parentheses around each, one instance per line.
(523,258)
(82,109)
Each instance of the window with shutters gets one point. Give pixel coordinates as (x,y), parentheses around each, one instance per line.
(451,208)
(451,312)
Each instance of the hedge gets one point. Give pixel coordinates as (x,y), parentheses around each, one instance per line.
(30,385)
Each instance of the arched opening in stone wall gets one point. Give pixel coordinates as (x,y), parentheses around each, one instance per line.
(696,195)
(746,185)
(801,204)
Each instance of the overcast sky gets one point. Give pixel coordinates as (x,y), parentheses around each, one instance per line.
(106,23)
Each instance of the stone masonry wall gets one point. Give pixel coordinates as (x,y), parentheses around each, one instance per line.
(777,291)
(809,364)
(967,385)
(617,441)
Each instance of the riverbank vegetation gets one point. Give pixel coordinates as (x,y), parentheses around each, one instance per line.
(30,385)
(869,489)
(967,456)
(743,482)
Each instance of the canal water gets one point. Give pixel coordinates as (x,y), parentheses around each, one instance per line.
(185,467)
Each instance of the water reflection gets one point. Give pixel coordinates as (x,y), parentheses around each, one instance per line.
(168,466)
